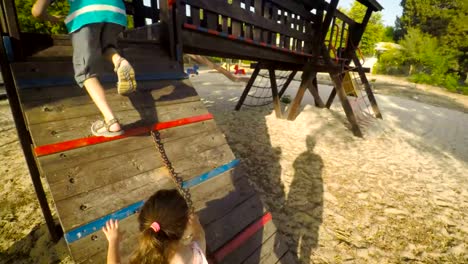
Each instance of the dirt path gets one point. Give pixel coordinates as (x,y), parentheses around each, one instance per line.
(398,196)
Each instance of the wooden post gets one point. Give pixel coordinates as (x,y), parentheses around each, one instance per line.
(12,26)
(307,78)
(346,105)
(274,91)
(179,18)
(331,98)
(367,87)
(328,19)
(167,28)
(139,16)
(26,143)
(313,89)
(248,87)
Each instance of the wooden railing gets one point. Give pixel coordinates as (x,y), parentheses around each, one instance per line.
(282,24)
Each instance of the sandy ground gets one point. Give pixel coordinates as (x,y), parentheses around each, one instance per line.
(400,195)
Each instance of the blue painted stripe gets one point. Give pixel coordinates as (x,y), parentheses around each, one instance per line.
(96,225)
(8,48)
(223,34)
(209,175)
(203,29)
(61,81)
(123,213)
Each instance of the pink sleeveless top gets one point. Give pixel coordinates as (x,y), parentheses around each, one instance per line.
(198,255)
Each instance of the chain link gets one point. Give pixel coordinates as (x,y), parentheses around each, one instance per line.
(174,175)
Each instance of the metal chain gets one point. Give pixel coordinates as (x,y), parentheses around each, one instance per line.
(174,175)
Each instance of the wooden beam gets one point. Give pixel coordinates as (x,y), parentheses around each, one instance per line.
(202,44)
(274,91)
(11,18)
(346,105)
(313,89)
(331,98)
(306,81)
(367,87)
(298,9)
(328,19)
(26,143)
(248,87)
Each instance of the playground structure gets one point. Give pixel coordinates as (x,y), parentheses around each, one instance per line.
(171,140)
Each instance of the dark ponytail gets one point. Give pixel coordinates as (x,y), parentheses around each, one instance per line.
(169,209)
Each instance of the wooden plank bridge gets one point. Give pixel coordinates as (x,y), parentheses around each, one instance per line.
(93,179)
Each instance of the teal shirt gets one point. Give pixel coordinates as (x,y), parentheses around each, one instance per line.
(85,12)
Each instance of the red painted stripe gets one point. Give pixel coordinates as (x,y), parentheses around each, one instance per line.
(83,142)
(187,25)
(241,238)
(263,44)
(214,32)
(232,37)
(249,40)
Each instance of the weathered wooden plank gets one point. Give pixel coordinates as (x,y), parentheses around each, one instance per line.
(224,25)
(221,195)
(267,34)
(244,16)
(287,21)
(48,110)
(93,249)
(257,33)
(223,230)
(64,130)
(216,198)
(64,69)
(247,27)
(211,20)
(72,158)
(195,164)
(275,18)
(250,246)
(235,24)
(89,206)
(270,252)
(274,91)
(50,94)
(195,14)
(80,179)
(200,43)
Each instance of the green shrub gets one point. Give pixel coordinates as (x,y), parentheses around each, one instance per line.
(391,62)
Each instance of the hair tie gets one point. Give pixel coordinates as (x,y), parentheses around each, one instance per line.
(156,227)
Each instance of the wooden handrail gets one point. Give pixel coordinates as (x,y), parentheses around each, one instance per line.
(236,12)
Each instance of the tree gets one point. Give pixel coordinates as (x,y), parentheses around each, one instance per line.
(28,23)
(374,31)
(389,34)
(447,20)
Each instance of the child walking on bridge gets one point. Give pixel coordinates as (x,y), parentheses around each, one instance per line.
(94,26)
(169,233)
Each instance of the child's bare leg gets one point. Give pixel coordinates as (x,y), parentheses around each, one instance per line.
(96,91)
(112,55)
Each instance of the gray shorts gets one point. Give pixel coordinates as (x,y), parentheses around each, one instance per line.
(89,44)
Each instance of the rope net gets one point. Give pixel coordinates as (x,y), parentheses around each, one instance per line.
(260,94)
(358,98)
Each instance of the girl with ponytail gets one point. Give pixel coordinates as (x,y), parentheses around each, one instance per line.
(169,233)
